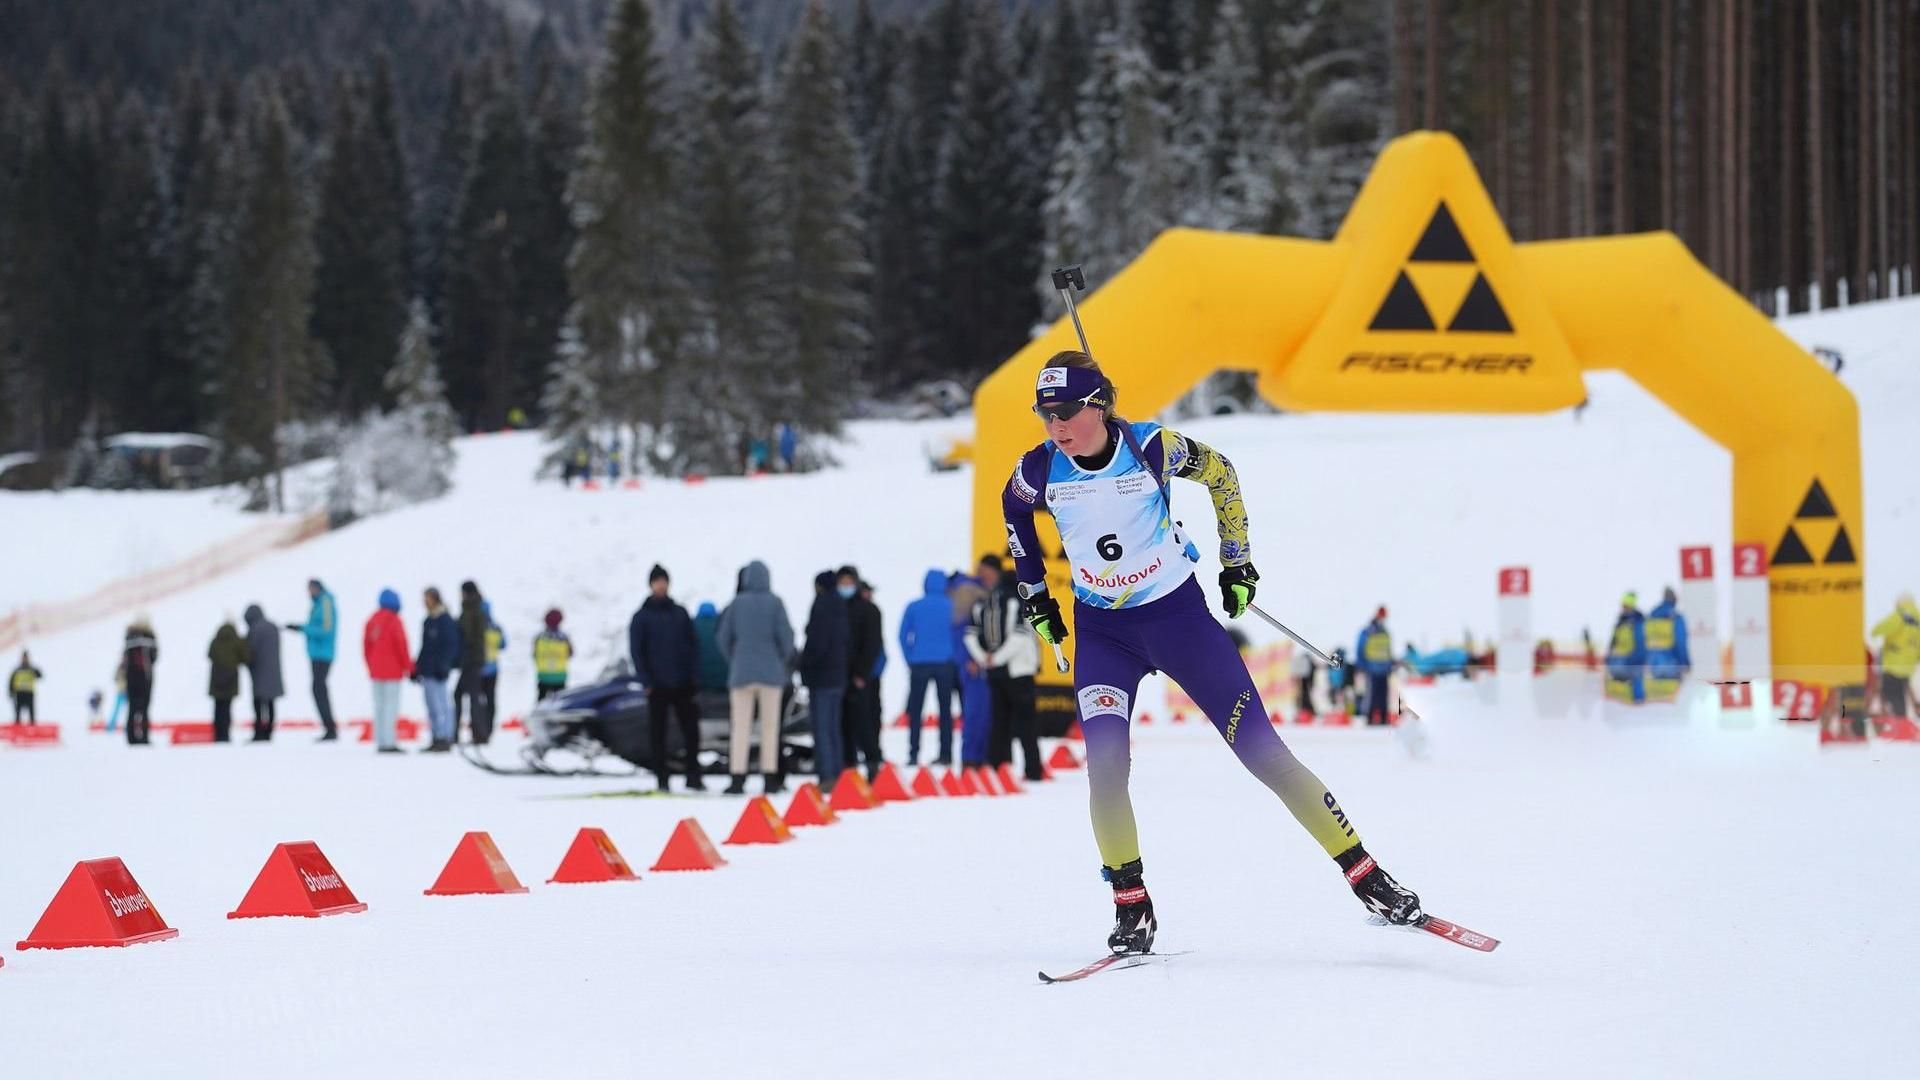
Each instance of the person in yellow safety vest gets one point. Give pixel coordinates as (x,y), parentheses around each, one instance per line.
(1900,655)
(1627,654)
(21,686)
(494,641)
(552,651)
(1668,659)
(1373,651)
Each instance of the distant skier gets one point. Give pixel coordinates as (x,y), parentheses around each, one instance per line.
(1668,660)
(471,688)
(1899,654)
(1374,649)
(1339,685)
(21,686)
(1139,609)
(1627,654)
(552,653)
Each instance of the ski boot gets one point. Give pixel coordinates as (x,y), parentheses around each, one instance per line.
(1133,922)
(1385,898)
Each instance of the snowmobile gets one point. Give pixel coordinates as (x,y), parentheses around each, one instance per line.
(578,730)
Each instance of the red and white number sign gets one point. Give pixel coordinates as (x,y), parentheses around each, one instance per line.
(1515,581)
(1749,560)
(1696,564)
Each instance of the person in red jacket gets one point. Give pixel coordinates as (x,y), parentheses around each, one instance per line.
(389,661)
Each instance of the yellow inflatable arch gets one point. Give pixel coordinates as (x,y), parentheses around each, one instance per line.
(1423,303)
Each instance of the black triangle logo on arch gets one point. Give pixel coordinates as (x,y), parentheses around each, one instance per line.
(1405,307)
(1815,506)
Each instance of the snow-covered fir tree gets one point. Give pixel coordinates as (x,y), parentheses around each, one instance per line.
(823,284)
(404,455)
(627,268)
(738,340)
(1116,178)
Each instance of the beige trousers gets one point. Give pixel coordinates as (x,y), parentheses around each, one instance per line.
(744,698)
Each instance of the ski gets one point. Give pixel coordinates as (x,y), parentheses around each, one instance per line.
(1116,962)
(1458,934)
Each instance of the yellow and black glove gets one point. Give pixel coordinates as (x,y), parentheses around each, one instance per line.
(1042,612)
(1236,588)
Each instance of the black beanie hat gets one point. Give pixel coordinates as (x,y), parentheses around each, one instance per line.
(658,573)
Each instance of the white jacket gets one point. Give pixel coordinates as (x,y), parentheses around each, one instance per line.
(1019,652)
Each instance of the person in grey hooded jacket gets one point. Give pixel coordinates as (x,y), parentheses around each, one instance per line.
(756,637)
(263,665)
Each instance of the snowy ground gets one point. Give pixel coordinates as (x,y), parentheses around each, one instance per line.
(1675,899)
(1673,902)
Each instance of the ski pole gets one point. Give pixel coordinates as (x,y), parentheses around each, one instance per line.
(1068,279)
(1303,642)
(1059,658)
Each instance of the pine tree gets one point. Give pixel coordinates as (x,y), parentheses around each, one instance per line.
(546,234)
(404,455)
(1227,138)
(360,288)
(988,210)
(134,365)
(212,183)
(440,186)
(628,285)
(418,393)
(273,372)
(739,341)
(487,374)
(1115,180)
(824,249)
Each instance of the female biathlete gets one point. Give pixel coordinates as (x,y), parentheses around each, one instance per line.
(1138,610)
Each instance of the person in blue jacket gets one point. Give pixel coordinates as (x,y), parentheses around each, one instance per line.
(1627,654)
(1667,658)
(321,629)
(1373,651)
(926,640)
(439,655)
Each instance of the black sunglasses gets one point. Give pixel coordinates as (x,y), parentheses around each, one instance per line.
(1062,410)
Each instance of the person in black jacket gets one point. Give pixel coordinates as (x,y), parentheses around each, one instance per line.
(866,640)
(470,688)
(823,670)
(665,656)
(138,655)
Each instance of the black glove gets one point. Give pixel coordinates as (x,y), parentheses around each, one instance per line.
(1236,588)
(296,627)
(1042,612)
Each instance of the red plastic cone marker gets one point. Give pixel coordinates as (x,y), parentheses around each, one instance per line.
(888,788)
(1008,784)
(851,792)
(592,857)
(689,849)
(983,781)
(1073,730)
(924,785)
(808,808)
(476,867)
(1063,758)
(98,905)
(954,785)
(760,823)
(297,881)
